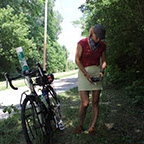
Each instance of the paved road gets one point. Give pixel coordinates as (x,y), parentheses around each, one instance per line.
(8,97)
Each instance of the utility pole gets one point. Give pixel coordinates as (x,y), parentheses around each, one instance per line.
(45,35)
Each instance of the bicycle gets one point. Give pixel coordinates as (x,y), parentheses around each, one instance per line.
(39,112)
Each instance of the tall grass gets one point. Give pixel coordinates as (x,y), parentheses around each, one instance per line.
(11,130)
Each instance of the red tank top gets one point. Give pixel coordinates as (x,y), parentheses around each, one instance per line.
(90,58)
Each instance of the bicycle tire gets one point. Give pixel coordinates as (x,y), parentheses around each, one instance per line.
(56,108)
(35,122)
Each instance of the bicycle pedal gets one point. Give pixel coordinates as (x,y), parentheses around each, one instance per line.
(61,125)
(58,105)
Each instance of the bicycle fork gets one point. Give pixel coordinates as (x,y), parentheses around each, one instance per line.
(59,124)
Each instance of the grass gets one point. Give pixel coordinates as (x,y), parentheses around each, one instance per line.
(11,130)
(65,74)
(16,83)
(119,121)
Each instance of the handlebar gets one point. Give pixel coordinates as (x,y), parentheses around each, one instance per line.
(24,73)
(8,79)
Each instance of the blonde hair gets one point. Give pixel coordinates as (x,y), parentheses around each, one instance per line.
(90,32)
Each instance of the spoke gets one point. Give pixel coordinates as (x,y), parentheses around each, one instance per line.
(38,117)
(30,128)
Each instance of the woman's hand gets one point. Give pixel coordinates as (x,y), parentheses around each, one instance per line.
(88,76)
(101,75)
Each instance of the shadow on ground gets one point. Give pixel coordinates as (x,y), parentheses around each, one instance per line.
(118,121)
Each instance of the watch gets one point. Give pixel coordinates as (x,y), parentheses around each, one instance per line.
(102,71)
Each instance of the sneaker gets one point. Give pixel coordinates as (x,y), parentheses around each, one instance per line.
(92,131)
(78,129)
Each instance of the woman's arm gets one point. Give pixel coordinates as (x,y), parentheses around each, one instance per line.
(79,64)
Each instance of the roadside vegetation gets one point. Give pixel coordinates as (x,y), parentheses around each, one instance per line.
(22,25)
(119,121)
(121,116)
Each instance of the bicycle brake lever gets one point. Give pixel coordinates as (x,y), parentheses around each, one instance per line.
(9,80)
(6,81)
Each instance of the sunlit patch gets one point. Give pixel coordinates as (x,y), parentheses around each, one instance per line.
(71,124)
(118,105)
(113,110)
(72,107)
(104,103)
(109,125)
(85,132)
(137,130)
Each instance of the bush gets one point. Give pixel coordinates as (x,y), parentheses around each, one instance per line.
(136,91)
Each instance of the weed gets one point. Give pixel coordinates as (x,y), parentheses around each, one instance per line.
(11,131)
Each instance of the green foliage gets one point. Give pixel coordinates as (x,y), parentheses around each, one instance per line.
(56,58)
(136,91)
(11,130)
(14,31)
(124,22)
(71,65)
(22,24)
(10,109)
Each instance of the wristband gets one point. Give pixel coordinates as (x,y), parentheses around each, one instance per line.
(102,71)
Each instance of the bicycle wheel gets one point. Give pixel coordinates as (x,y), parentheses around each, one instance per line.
(56,108)
(35,121)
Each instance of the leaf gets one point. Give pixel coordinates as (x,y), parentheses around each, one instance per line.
(9,110)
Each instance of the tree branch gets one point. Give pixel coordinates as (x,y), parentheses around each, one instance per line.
(140,8)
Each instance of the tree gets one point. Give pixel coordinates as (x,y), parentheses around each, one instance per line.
(22,24)
(14,32)
(124,22)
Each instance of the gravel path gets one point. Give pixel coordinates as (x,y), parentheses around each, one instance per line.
(8,97)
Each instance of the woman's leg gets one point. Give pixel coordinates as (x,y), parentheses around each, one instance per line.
(95,106)
(84,95)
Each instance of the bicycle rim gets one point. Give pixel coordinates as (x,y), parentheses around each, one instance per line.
(35,127)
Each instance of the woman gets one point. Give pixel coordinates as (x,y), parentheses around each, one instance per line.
(90,51)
